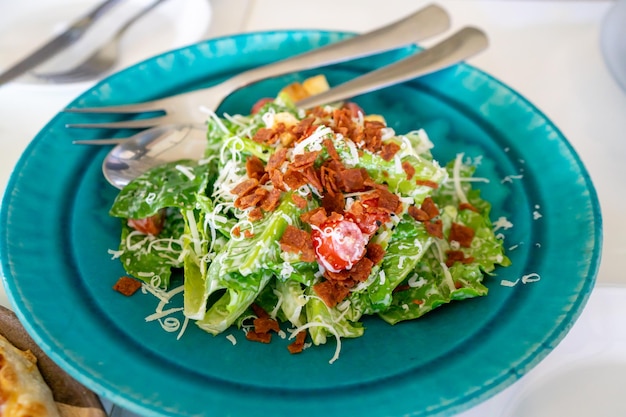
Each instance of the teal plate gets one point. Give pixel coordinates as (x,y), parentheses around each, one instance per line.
(58,272)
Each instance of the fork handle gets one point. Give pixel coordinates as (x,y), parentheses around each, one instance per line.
(461,45)
(424,23)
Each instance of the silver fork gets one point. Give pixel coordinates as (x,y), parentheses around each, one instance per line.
(102,60)
(187,107)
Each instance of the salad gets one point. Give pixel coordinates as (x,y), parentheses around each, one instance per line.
(309,220)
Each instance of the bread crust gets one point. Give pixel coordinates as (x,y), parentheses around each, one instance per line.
(23,391)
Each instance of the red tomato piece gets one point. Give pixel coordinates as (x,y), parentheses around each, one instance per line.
(260,103)
(150,225)
(339,244)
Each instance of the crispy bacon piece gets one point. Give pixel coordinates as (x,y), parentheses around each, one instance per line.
(259,311)
(418,214)
(127,286)
(315,217)
(353,179)
(259,337)
(298,241)
(329,177)
(305,160)
(255,214)
(333,203)
(430,208)
(375,253)
(272,200)
(427,183)
(255,168)
(299,201)
(265,325)
(468,206)
(387,200)
(409,169)
(389,150)
(263,135)
(312,177)
(294,179)
(304,128)
(434,228)
(245,187)
(276,160)
(330,148)
(331,292)
(298,345)
(276,177)
(462,234)
(453,256)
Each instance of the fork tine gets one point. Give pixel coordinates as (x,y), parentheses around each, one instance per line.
(123,108)
(125,124)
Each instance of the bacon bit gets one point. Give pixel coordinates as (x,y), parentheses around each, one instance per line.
(295,240)
(259,337)
(259,311)
(349,277)
(333,203)
(387,200)
(255,168)
(400,288)
(372,134)
(389,150)
(277,180)
(418,302)
(236,231)
(315,217)
(299,201)
(353,179)
(272,200)
(427,183)
(254,215)
(329,178)
(375,253)
(430,208)
(462,234)
(245,187)
(127,286)
(418,214)
(247,201)
(331,292)
(294,179)
(468,206)
(409,169)
(265,325)
(312,177)
(298,345)
(434,228)
(248,234)
(330,148)
(457,256)
(263,135)
(305,160)
(276,160)
(304,129)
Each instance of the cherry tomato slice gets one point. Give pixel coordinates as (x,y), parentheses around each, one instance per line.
(339,244)
(150,225)
(259,104)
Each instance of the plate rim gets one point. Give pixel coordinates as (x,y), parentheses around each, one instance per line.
(589,185)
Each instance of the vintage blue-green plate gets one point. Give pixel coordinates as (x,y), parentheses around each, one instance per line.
(57,270)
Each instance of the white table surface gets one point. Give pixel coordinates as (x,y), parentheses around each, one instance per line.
(549,51)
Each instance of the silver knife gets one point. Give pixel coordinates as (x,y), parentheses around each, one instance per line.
(60,42)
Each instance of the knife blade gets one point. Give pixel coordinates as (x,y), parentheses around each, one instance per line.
(58,43)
